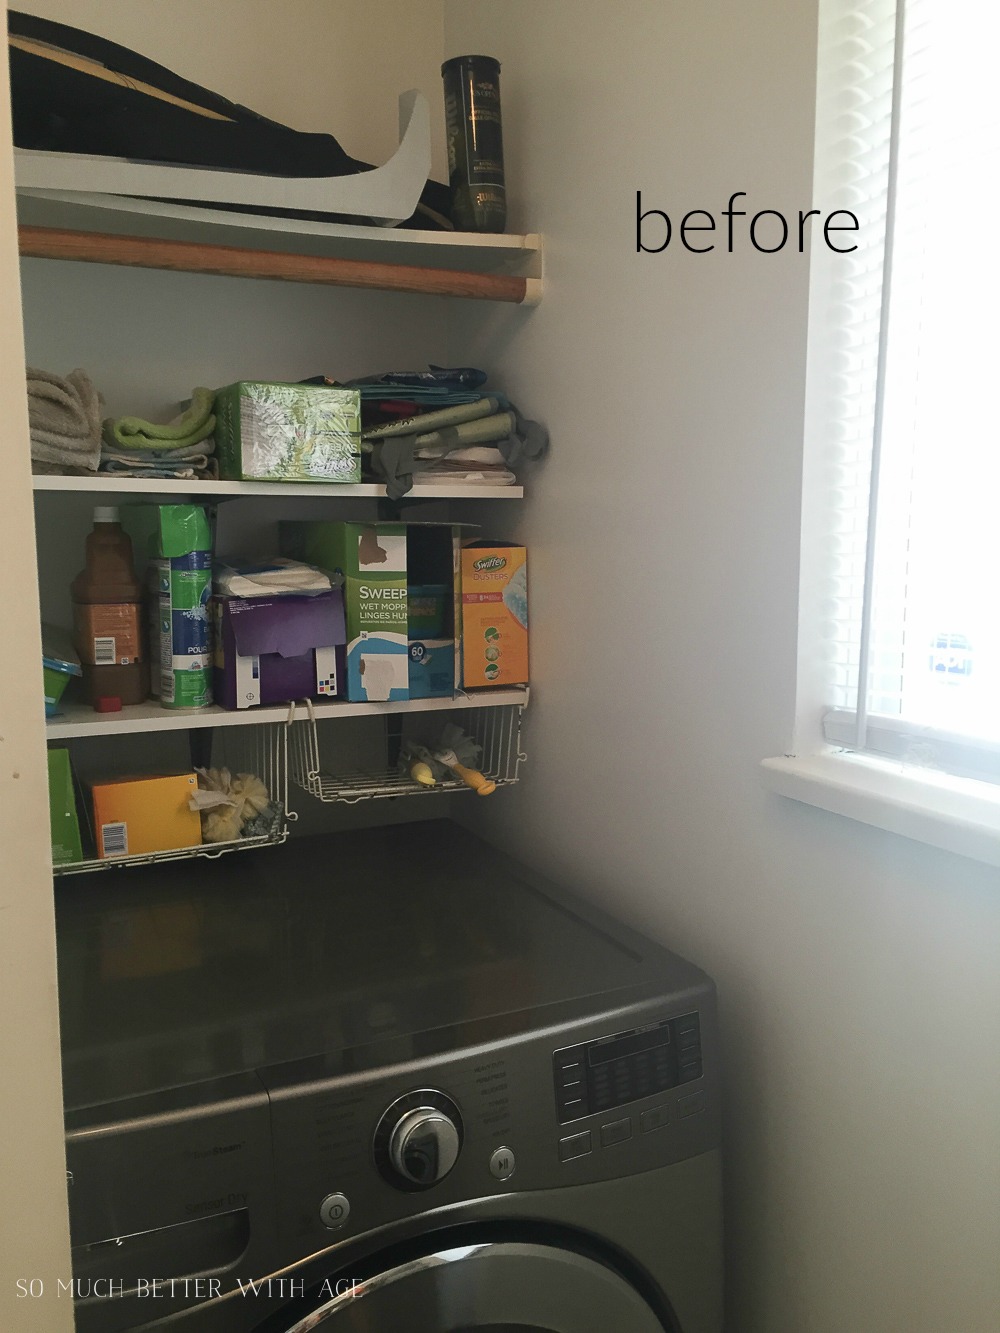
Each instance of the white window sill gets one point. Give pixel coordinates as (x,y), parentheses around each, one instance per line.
(957,814)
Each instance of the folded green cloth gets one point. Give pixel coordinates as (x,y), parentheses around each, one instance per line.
(191,427)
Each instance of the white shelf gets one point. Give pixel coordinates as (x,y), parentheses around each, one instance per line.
(79,720)
(183,222)
(105,229)
(113,485)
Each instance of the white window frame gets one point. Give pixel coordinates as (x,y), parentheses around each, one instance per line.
(948,795)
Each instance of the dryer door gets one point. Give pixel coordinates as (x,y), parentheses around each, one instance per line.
(489,1288)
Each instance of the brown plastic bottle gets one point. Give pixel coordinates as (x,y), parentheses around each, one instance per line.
(107,615)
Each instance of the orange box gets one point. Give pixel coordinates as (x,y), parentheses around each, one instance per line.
(133,816)
(494,590)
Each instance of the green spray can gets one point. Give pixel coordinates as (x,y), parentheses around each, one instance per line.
(183,574)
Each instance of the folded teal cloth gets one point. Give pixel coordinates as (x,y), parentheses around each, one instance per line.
(179,454)
(191,427)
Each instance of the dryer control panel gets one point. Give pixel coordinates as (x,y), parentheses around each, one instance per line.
(612,1071)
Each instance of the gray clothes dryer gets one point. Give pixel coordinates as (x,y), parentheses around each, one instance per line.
(383,1081)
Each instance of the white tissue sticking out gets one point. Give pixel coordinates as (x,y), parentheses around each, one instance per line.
(515,597)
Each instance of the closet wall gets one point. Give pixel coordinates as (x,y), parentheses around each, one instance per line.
(859,974)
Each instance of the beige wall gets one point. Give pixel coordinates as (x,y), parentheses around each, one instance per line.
(859,974)
(32,1160)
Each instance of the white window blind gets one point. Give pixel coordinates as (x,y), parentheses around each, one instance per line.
(904,369)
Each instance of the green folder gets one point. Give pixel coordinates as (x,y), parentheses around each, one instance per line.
(66,846)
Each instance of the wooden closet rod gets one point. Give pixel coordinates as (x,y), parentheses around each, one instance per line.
(234,262)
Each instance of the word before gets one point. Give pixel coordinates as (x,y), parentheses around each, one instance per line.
(767,225)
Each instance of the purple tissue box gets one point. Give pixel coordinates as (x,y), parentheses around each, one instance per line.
(272,650)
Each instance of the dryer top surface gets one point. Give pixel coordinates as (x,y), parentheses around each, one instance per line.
(193,971)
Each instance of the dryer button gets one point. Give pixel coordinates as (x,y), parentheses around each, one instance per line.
(334,1211)
(692,1104)
(655,1118)
(502,1164)
(617,1132)
(577,1145)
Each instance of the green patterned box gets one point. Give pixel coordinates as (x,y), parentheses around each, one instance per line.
(288,432)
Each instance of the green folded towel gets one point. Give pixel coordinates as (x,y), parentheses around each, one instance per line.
(191,427)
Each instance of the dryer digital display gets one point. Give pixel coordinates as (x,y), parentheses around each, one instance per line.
(625,1067)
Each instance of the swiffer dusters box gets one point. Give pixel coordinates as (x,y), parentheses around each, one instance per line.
(494,614)
(63,819)
(134,816)
(288,432)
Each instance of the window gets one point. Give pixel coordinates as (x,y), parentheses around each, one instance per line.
(900,626)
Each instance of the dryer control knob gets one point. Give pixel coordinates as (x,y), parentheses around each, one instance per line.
(424,1145)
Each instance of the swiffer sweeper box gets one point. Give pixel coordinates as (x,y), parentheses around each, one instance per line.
(399,595)
(372,559)
(494,614)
